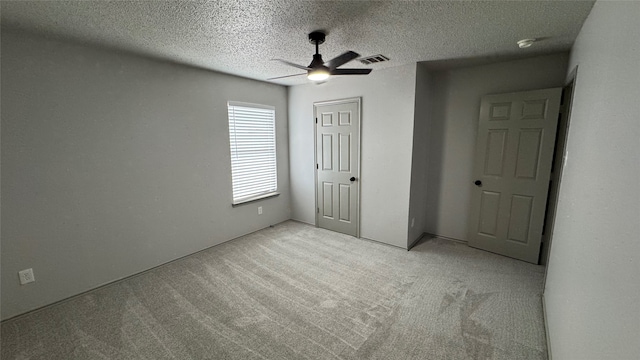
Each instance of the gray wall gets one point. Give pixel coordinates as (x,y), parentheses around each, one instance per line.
(592,292)
(387,129)
(113,164)
(419,160)
(456,97)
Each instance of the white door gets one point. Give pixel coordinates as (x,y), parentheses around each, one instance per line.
(514,152)
(337,165)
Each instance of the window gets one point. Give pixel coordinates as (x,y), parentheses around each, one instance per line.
(252,134)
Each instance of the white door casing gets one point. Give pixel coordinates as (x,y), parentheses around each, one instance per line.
(338,165)
(514,152)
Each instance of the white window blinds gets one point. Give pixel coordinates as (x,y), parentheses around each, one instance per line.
(252,133)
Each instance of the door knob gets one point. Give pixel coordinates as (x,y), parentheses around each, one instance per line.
(353,179)
(478,182)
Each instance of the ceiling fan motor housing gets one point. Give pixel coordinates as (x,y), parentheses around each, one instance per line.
(317,61)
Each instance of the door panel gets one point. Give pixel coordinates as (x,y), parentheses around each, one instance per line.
(527,160)
(516,135)
(520,218)
(338,152)
(345,152)
(494,157)
(490,205)
(327,200)
(534,109)
(345,118)
(327,151)
(327,119)
(345,199)
(500,111)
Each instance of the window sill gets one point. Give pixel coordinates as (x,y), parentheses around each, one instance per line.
(255,198)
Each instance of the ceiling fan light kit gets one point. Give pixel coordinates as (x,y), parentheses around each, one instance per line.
(318,74)
(318,69)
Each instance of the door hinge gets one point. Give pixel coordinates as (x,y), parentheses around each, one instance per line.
(317,167)
(316,120)
(318,210)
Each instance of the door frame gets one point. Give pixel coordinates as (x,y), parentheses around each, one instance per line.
(551,221)
(358,101)
(561,146)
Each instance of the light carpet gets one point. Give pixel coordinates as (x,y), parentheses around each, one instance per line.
(297,292)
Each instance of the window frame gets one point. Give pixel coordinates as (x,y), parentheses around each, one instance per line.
(259,195)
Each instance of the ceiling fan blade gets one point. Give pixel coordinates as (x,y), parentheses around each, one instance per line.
(350,71)
(286,76)
(341,59)
(292,64)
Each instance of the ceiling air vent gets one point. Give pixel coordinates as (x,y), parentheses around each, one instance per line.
(373,59)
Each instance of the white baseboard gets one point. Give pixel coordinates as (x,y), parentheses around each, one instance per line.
(302,222)
(416,241)
(546,328)
(447,238)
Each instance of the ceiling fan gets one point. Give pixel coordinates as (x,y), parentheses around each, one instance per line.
(319,70)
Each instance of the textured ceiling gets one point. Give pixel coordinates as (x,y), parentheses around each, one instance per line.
(240,37)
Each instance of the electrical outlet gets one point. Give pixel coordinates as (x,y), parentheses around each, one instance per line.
(26,276)
(259,210)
